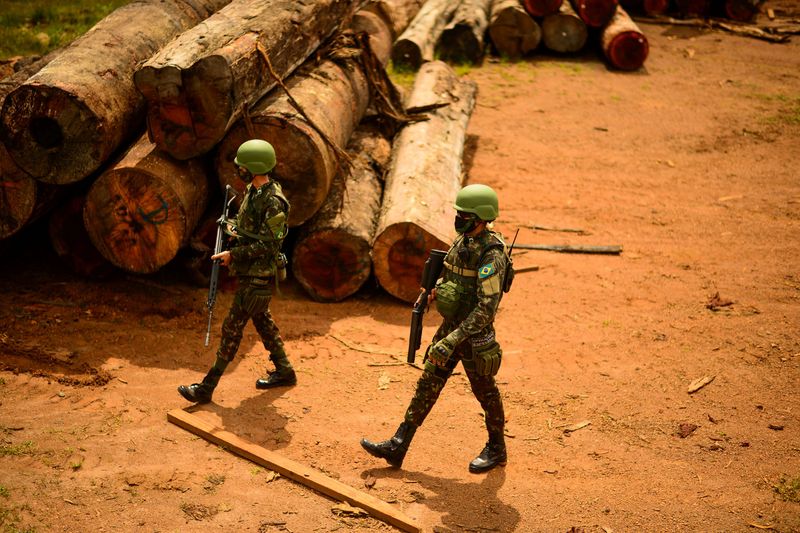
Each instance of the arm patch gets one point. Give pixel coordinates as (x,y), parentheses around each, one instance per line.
(486,271)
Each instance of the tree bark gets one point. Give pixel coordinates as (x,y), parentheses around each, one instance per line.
(331,258)
(380,35)
(396,13)
(143,209)
(595,13)
(624,44)
(71,242)
(422,182)
(541,8)
(72,115)
(334,95)
(197,86)
(462,39)
(512,30)
(416,45)
(564,31)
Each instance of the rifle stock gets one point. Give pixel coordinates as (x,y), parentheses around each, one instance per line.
(430,273)
(212,286)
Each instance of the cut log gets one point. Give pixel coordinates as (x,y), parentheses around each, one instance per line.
(143,209)
(380,35)
(742,10)
(461,40)
(70,240)
(512,30)
(396,13)
(648,7)
(542,8)
(331,258)
(624,44)
(424,177)
(693,8)
(72,115)
(334,95)
(564,31)
(416,45)
(22,199)
(595,13)
(197,85)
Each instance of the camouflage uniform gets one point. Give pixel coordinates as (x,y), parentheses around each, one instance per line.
(475,265)
(260,228)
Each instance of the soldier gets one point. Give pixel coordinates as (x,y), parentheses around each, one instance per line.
(467,296)
(258,230)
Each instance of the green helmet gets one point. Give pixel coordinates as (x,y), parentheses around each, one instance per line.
(257,156)
(478,199)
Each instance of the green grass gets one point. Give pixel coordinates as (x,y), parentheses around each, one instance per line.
(34,27)
(26,448)
(402,77)
(789,489)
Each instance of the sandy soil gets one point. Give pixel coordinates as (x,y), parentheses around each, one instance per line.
(690,165)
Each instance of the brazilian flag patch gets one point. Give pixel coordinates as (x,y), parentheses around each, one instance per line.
(486,270)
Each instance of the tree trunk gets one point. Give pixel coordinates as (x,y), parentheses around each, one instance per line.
(462,39)
(331,258)
(595,13)
(197,85)
(143,209)
(512,30)
(541,8)
(624,45)
(396,13)
(71,242)
(72,115)
(423,180)
(564,31)
(415,46)
(741,10)
(334,95)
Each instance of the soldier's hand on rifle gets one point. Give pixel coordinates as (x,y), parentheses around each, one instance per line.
(224,257)
(439,353)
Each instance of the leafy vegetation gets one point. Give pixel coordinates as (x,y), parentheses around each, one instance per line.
(34,27)
(789,489)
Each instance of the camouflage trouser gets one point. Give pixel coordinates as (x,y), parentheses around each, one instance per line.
(433,379)
(252,302)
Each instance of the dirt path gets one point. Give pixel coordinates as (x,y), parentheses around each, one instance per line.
(691,166)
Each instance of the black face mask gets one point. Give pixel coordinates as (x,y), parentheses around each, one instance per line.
(244,174)
(465,222)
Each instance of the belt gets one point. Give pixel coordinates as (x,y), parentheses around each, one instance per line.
(466,272)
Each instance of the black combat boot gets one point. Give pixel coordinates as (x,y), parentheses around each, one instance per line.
(279,378)
(393,450)
(493,454)
(201,392)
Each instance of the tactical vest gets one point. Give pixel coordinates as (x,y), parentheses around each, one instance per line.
(273,231)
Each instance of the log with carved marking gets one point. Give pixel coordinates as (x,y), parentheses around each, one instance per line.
(331,257)
(142,210)
(514,33)
(69,118)
(424,176)
(198,84)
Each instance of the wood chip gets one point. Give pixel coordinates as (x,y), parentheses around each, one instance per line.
(760,526)
(345,509)
(576,427)
(699,383)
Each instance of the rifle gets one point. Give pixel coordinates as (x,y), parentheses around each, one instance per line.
(212,287)
(430,273)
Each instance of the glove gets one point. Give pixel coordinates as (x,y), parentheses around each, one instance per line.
(439,353)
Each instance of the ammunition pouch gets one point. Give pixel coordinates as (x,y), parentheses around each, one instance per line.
(448,299)
(486,354)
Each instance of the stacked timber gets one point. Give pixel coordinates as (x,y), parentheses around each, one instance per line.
(424,176)
(564,31)
(308,124)
(417,43)
(71,242)
(198,84)
(331,258)
(461,40)
(595,13)
(69,118)
(624,44)
(648,7)
(693,8)
(514,33)
(143,209)
(542,8)
(396,13)
(741,10)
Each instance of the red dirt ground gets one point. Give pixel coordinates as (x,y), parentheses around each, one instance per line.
(690,165)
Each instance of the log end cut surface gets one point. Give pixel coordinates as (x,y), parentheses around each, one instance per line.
(541,8)
(17,198)
(459,44)
(596,13)
(564,33)
(399,255)
(331,265)
(741,10)
(628,50)
(134,220)
(51,135)
(514,33)
(655,7)
(406,54)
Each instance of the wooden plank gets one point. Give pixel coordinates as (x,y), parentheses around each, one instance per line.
(292,470)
